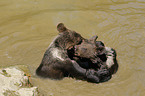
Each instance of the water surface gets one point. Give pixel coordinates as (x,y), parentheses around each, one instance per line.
(27,27)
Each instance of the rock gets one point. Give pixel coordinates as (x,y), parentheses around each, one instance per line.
(15,82)
(28,91)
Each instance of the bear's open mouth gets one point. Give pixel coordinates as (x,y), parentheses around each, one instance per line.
(72,53)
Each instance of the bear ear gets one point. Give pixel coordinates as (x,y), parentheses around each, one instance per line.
(61,27)
(93,39)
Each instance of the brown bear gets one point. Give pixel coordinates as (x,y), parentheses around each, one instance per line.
(56,63)
(94,54)
(86,52)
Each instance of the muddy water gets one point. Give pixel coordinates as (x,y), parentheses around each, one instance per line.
(27,27)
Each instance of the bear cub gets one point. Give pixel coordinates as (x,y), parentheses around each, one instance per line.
(97,55)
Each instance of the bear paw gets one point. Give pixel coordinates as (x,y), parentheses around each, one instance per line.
(111,55)
(110,51)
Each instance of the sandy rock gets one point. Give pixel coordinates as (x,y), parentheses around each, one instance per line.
(15,82)
(28,91)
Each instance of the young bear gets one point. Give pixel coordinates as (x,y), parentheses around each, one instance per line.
(86,53)
(56,63)
(97,56)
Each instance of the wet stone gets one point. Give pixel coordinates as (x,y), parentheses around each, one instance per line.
(15,82)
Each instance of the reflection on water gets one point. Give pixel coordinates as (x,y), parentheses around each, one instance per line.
(27,27)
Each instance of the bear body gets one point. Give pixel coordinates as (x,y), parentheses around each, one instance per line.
(99,57)
(56,63)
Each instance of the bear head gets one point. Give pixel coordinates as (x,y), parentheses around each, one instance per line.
(90,48)
(69,37)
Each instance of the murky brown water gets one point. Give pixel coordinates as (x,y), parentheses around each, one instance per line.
(27,27)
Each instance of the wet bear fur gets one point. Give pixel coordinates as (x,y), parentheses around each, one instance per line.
(93,54)
(56,63)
